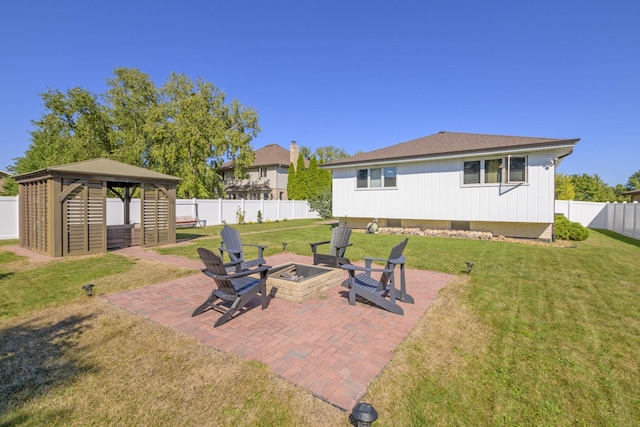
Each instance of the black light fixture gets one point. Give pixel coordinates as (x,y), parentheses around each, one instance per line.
(284,246)
(88,289)
(363,415)
(470,266)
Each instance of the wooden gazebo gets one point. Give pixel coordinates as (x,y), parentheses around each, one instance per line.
(63,208)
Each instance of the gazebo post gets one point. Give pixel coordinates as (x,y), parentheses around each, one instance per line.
(127,206)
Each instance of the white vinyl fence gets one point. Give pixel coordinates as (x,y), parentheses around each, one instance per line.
(208,212)
(623,218)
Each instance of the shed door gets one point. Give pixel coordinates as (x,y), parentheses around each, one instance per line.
(83,213)
(156,228)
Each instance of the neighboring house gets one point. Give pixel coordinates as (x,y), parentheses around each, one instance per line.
(267,176)
(635,195)
(3,175)
(459,181)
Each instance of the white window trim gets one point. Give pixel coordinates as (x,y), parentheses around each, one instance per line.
(506,166)
(382,179)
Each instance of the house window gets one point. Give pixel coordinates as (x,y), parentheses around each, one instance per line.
(363,178)
(390,177)
(517,169)
(262,172)
(489,171)
(493,171)
(376,177)
(472,172)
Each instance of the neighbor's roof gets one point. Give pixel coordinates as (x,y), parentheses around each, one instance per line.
(106,169)
(272,154)
(631,192)
(451,144)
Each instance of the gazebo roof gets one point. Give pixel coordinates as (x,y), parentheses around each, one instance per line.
(102,169)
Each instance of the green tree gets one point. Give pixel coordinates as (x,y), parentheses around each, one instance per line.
(198,132)
(74,127)
(324,180)
(184,128)
(321,202)
(329,153)
(305,152)
(565,190)
(302,184)
(323,154)
(10,187)
(592,189)
(133,107)
(634,182)
(292,183)
(618,190)
(313,178)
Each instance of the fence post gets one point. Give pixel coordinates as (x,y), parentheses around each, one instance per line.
(569,210)
(624,214)
(635,219)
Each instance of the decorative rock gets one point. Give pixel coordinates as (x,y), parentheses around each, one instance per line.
(459,234)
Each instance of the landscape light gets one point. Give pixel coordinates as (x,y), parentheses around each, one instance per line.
(363,415)
(88,289)
(470,266)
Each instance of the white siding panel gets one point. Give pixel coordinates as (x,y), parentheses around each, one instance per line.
(433,190)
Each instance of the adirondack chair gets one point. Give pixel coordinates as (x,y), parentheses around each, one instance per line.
(381,292)
(233,246)
(234,288)
(337,247)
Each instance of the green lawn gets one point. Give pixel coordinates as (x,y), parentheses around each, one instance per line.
(537,334)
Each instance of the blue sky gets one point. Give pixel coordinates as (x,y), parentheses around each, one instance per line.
(355,74)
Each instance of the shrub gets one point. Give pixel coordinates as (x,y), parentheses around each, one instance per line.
(569,230)
(240,215)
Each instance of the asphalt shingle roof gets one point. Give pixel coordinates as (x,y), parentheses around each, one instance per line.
(269,155)
(450,143)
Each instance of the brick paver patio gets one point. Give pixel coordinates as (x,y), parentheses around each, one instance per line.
(324,345)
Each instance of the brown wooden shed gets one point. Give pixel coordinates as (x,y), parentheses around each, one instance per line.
(63,208)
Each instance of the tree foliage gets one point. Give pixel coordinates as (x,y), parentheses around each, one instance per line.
(634,181)
(184,128)
(565,189)
(292,189)
(586,188)
(321,202)
(329,153)
(324,154)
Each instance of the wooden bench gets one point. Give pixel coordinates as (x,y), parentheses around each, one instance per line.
(186,222)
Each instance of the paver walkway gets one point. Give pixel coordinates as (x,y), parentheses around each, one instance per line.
(324,345)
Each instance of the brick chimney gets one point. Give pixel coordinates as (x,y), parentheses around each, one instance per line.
(293,154)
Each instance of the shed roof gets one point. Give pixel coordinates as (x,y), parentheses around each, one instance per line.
(107,169)
(452,143)
(632,192)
